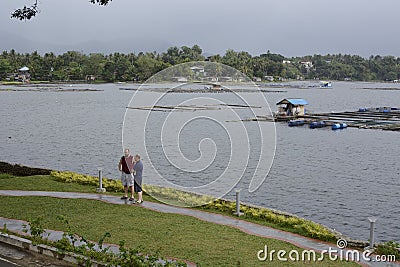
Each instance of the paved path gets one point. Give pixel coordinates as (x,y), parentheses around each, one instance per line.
(247,227)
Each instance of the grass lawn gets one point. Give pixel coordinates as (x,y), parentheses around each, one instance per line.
(40,183)
(172,235)
(49,183)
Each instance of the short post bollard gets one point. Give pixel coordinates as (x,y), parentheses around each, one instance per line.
(101,189)
(238,213)
(372,221)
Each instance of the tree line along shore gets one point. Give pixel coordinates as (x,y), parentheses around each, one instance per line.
(96,67)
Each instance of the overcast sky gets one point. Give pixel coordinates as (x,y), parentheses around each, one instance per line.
(288,27)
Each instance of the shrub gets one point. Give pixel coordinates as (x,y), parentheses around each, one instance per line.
(288,222)
(111,185)
(72,177)
(388,248)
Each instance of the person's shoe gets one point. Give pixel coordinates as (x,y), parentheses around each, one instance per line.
(139,202)
(124,197)
(131,199)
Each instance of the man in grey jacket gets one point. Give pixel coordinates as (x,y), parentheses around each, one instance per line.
(138,171)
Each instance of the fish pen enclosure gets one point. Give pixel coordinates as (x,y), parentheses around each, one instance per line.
(382,118)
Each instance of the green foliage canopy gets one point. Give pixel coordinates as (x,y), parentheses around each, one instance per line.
(76,66)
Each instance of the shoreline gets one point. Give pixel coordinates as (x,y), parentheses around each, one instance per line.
(22,170)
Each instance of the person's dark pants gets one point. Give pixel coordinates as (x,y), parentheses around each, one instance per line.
(137,187)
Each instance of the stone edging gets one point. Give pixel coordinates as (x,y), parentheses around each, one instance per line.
(26,244)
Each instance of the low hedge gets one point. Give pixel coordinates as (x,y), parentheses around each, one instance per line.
(286,221)
(71,177)
(170,195)
(389,248)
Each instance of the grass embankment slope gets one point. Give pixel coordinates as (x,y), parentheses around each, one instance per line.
(172,235)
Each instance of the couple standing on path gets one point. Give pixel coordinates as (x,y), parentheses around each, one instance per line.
(131,169)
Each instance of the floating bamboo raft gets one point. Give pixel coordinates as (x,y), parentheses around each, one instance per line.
(193,107)
(50,89)
(369,119)
(198,90)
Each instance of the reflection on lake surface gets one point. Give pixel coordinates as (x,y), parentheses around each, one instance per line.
(337,178)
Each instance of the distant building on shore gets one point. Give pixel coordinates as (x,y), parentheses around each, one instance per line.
(269,78)
(24,75)
(307,65)
(179,79)
(225,79)
(90,78)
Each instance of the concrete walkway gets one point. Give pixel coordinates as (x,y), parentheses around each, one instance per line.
(247,227)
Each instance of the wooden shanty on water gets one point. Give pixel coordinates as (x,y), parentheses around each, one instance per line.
(291,107)
(293,110)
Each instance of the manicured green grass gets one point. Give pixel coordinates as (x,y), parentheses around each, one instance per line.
(51,183)
(172,235)
(176,197)
(40,183)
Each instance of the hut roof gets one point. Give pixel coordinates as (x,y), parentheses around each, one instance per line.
(293,101)
(25,68)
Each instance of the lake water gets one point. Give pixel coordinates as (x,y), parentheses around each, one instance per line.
(337,178)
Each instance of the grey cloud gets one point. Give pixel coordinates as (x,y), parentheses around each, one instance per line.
(289,27)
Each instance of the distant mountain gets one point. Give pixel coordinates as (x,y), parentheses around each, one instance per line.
(125,45)
(18,43)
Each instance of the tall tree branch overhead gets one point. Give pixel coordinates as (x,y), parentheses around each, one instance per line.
(28,12)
